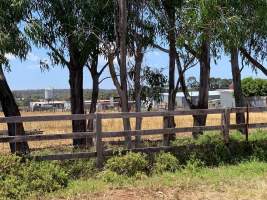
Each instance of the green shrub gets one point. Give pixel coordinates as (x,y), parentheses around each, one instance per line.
(79,168)
(129,164)
(44,177)
(165,162)
(109,176)
(19,179)
(194,164)
(13,187)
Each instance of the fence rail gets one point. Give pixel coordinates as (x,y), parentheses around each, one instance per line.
(99,134)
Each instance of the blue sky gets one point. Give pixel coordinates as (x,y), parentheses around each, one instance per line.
(27,74)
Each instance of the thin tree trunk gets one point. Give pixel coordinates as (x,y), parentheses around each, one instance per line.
(123,69)
(95,93)
(238,95)
(169,121)
(137,90)
(77,103)
(203,97)
(10,108)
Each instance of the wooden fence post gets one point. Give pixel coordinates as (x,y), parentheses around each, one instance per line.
(99,144)
(226,124)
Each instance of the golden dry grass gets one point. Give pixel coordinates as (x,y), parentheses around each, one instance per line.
(112,125)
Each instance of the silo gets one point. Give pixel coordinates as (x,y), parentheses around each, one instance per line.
(49,94)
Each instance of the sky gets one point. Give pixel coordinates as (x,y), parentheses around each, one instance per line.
(28,75)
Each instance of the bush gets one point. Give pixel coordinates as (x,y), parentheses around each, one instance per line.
(109,176)
(194,164)
(79,168)
(20,178)
(44,177)
(165,162)
(129,164)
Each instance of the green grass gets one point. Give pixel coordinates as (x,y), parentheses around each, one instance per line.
(214,179)
(211,137)
(208,169)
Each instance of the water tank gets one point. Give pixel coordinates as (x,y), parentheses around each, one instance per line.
(48,94)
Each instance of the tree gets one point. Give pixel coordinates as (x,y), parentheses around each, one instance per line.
(101,24)
(192,83)
(66,28)
(242,25)
(153,87)
(12,42)
(254,87)
(153,82)
(118,49)
(164,11)
(140,37)
(196,37)
(219,83)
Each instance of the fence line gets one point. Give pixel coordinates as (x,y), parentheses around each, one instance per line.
(99,134)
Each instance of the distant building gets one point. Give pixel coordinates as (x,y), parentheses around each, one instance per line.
(217,99)
(46,105)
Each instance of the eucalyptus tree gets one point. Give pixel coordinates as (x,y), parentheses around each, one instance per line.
(14,43)
(197,33)
(100,22)
(243,30)
(117,48)
(140,37)
(164,12)
(67,29)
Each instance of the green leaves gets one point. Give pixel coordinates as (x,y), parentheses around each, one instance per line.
(254,87)
(12,40)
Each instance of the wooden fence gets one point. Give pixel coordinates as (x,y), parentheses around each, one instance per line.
(99,134)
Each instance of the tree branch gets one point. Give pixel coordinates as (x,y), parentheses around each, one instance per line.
(103,68)
(190,50)
(113,72)
(253,61)
(61,57)
(103,79)
(160,48)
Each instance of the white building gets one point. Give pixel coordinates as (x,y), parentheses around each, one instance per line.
(217,98)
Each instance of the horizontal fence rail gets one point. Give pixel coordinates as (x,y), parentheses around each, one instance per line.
(99,134)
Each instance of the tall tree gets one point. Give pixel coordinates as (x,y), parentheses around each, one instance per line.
(64,27)
(243,26)
(197,29)
(12,42)
(100,13)
(164,11)
(118,49)
(140,36)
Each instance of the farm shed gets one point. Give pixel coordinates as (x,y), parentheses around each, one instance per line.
(217,98)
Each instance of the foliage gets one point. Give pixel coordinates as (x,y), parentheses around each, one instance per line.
(153,86)
(20,178)
(12,40)
(254,87)
(129,164)
(70,30)
(165,162)
(194,164)
(79,168)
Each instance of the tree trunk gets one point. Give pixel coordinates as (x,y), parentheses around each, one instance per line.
(77,103)
(169,121)
(238,95)
(95,93)
(10,108)
(137,91)
(203,97)
(123,69)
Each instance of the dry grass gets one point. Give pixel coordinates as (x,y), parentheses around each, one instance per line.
(111,125)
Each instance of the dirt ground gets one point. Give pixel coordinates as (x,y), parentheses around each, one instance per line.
(202,193)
